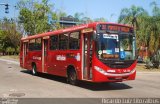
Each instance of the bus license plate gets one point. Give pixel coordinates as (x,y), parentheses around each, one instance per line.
(118,78)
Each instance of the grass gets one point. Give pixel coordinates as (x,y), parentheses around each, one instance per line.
(11,57)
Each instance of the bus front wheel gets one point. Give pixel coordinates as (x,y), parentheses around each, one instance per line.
(72,77)
(34,70)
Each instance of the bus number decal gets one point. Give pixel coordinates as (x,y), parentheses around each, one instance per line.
(36,58)
(61,57)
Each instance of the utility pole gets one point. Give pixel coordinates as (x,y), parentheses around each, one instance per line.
(6,7)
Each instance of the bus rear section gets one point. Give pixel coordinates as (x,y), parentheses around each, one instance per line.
(97,52)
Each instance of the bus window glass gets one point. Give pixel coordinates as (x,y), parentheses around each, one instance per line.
(63,41)
(127,46)
(74,40)
(38,44)
(54,42)
(114,46)
(35,44)
(31,44)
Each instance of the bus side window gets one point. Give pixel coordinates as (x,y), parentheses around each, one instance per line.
(63,41)
(35,44)
(38,44)
(74,40)
(31,44)
(54,42)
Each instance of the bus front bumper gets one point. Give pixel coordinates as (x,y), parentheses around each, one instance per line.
(101,75)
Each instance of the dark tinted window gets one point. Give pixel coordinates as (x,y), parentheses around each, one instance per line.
(54,42)
(38,44)
(74,40)
(63,41)
(35,44)
(31,44)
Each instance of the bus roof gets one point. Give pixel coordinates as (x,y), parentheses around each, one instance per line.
(70,29)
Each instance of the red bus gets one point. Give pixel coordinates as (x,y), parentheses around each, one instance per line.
(95,52)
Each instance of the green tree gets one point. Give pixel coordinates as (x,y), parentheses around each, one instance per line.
(34,16)
(149,31)
(79,16)
(61,13)
(146,26)
(2,41)
(155,9)
(56,18)
(154,30)
(130,15)
(134,16)
(100,19)
(86,20)
(9,36)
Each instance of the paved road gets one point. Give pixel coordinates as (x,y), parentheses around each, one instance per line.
(15,81)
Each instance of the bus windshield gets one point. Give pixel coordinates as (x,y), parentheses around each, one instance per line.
(116,46)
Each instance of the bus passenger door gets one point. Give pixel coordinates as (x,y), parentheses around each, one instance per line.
(87,56)
(44,55)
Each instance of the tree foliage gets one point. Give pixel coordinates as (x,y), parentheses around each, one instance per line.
(146,26)
(9,36)
(34,16)
(130,15)
(100,19)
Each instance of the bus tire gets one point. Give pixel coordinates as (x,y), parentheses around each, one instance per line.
(72,77)
(34,70)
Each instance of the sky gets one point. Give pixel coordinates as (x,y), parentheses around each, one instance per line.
(109,9)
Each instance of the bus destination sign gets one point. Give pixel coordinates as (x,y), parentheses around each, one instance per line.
(115,28)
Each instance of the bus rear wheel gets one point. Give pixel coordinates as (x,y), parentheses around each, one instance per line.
(34,70)
(72,77)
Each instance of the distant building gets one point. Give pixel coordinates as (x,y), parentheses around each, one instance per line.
(68,21)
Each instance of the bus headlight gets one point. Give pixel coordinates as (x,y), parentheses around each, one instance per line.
(112,74)
(100,70)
